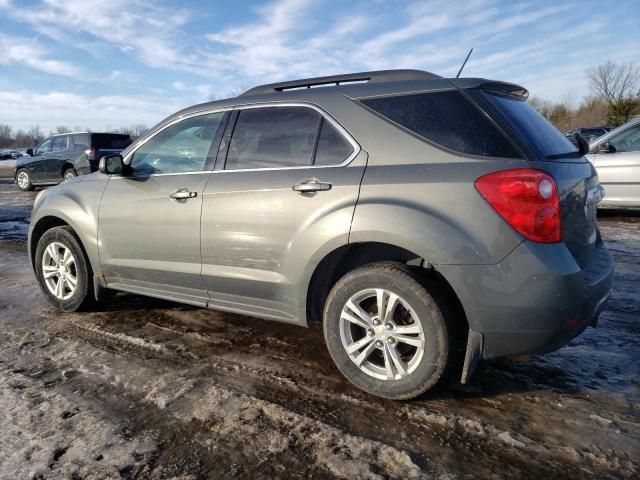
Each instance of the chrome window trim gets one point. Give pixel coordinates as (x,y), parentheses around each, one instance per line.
(325,115)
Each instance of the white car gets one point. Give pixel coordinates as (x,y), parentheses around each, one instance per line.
(616,156)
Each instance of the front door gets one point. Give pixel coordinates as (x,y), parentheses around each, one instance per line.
(287,191)
(38,164)
(149,228)
(619,168)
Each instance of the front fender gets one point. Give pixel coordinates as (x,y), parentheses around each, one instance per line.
(75,202)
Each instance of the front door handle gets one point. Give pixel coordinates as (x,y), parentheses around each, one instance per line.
(311,185)
(183,194)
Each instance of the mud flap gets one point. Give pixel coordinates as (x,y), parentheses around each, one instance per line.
(473,355)
(99,288)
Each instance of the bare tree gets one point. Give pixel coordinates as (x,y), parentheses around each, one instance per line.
(6,137)
(616,82)
(62,129)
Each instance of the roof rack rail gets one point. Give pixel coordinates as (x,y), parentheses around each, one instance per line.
(370,77)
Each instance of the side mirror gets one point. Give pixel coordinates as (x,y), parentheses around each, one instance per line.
(606,147)
(30,152)
(111,165)
(582,144)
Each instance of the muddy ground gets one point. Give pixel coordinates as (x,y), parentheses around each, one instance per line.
(148,389)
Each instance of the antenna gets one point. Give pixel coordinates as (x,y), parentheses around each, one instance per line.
(464,63)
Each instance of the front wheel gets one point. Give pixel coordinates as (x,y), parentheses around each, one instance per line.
(63,270)
(385,332)
(23,180)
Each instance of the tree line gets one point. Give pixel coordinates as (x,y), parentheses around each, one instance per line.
(34,135)
(614,99)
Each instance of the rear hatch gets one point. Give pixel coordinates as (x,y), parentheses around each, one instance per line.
(109,143)
(548,150)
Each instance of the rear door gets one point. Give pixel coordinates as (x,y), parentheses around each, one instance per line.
(149,226)
(619,168)
(283,190)
(56,158)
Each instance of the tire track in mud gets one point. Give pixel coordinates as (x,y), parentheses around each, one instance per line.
(425,432)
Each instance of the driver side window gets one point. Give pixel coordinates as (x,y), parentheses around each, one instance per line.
(44,147)
(627,141)
(180,148)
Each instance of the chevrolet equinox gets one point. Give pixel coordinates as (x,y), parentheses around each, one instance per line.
(427,223)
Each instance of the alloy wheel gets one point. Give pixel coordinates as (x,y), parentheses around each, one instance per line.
(23,180)
(59,270)
(382,334)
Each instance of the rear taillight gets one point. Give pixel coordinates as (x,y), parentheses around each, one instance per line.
(90,153)
(527,199)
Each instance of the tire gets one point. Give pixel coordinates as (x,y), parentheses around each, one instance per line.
(23,180)
(416,313)
(69,173)
(70,298)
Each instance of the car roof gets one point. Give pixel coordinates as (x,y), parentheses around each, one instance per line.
(352,85)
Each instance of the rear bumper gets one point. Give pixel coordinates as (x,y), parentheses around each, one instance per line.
(534,301)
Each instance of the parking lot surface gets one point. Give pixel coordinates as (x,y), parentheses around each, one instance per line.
(149,389)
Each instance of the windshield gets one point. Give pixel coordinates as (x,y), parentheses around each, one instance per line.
(547,138)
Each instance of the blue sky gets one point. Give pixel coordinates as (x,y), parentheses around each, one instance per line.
(111,63)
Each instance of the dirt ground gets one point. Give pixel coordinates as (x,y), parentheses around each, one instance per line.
(148,389)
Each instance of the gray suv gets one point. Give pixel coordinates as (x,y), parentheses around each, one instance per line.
(427,222)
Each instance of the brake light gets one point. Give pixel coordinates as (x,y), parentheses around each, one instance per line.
(90,153)
(527,199)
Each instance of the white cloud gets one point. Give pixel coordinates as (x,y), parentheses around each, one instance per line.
(26,52)
(138,27)
(22,109)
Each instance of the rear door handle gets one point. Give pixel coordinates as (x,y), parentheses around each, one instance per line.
(311,185)
(183,194)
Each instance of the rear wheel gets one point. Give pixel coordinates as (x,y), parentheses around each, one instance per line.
(69,173)
(23,180)
(385,332)
(63,270)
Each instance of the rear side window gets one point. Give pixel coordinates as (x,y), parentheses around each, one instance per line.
(333,148)
(106,141)
(80,140)
(446,119)
(272,137)
(59,143)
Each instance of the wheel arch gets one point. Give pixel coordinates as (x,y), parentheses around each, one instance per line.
(343,259)
(66,166)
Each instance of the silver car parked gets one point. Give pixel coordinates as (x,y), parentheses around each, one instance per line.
(428,223)
(616,156)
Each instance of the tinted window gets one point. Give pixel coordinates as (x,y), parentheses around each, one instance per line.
(273,137)
(80,140)
(527,122)
(43,147)
(183,147)
(106,141)
(627,141)
(59,143)
(333,148)
(447,119)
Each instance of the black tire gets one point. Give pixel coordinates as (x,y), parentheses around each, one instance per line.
(29,186)
(69,173)
(83,295)
(398,279)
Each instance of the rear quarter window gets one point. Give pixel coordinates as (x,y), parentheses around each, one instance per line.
(447,119)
